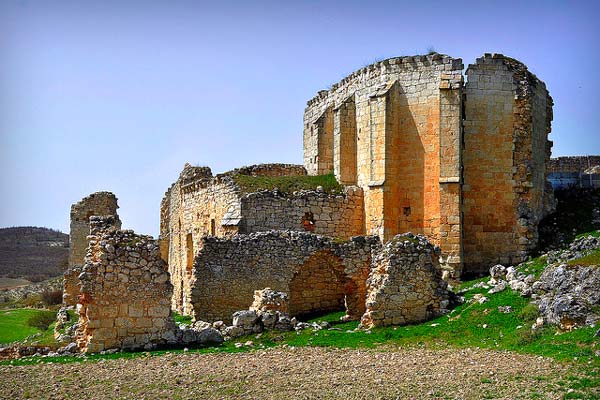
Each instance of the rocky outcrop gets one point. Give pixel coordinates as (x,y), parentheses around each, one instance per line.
(569,295)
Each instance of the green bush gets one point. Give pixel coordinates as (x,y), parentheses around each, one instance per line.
(52,297)
(529,313)
(42,320)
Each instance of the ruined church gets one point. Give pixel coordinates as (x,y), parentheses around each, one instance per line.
(457,161)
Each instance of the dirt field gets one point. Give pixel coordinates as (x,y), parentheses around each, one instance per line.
(300,373)
(8,283)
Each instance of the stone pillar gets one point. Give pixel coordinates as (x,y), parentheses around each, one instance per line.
(99,203)
(450,174)
(344,142)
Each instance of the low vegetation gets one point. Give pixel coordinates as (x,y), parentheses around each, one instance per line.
(287,184)
(23,323)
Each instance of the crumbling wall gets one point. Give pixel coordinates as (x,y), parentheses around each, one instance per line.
(338,215)
(405,284)
(227,271)
(99,203)
(508,112)
(195,206)
(125,291)
(395,123)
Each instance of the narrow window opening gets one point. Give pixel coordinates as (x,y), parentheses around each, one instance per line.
(308,222)
(213,227)
(189,254)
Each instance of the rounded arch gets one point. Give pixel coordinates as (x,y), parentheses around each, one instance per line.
(319,285)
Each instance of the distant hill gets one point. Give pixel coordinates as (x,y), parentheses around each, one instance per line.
(32,253)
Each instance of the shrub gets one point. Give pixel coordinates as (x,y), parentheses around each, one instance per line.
(32,300)
(42,320)
(529,313)
(52,297)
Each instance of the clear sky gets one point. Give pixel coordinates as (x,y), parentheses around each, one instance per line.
(118,95)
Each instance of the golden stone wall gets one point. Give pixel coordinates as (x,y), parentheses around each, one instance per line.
(507,120)
(125,291)
(395,122)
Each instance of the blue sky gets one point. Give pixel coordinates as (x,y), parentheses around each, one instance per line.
(118,95)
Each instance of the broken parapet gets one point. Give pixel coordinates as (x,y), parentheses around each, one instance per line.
(125,291)
(405,284)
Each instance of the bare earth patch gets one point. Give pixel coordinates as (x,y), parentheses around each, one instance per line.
(299,373)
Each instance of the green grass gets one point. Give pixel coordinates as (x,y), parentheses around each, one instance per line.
(182,319)
(591,259)
(14,326)
(287,184)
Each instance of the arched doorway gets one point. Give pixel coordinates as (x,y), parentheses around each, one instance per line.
(318,286)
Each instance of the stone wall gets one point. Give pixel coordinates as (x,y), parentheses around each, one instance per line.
(338,216)
(396,134)
(405,284)
(99,203)
(195,206)
(317,272)
(125,291)
(577,164)
(507,119)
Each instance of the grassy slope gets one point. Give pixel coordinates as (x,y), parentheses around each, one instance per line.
(288,184)
(13,326)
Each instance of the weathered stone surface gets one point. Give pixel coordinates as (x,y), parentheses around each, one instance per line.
(268,299)
(405,284)
(569,295)
(318,273)
(99,203)
(114,310)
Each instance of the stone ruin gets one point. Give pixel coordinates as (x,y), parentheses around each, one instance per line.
(99,203)
(405,284)
(417,149)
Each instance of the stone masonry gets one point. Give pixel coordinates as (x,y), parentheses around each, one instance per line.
(462,163)
(405,283)
(318,273)
(99,203)
(200,204)
(507,119)
(125,291)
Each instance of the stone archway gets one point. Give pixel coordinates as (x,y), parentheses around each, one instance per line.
(319,285)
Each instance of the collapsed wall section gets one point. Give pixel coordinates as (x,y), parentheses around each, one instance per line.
(318,273)
(405,284)
(335,215)
(508,113)
(99,203)
(125,291)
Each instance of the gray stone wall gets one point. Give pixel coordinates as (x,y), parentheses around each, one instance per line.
(405,284)
(99,203)
(317,272)
(338,215)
